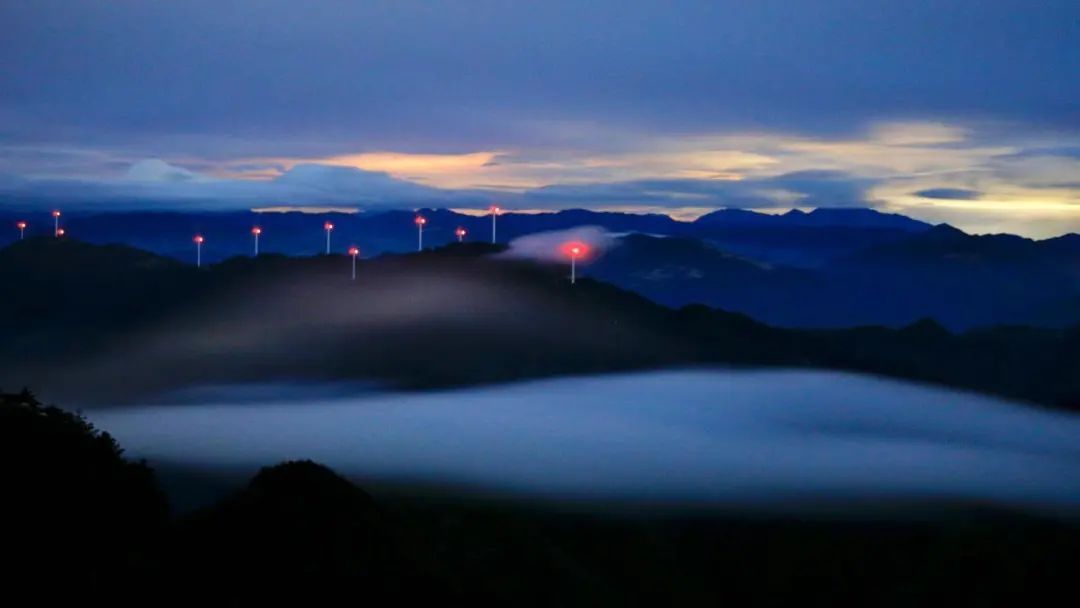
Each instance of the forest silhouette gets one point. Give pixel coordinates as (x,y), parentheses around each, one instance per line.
(83,521)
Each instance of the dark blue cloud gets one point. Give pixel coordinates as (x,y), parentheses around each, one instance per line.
(91,92)
(210,78)
(157,184)
(953,194)
(823,188)
(806,188)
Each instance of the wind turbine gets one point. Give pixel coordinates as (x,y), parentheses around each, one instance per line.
(328,227)
(420,221)
(21,225)
(494,214)
(575,250)
(460,232)
(256,231)
(353,252)
(56,222)
(198,250)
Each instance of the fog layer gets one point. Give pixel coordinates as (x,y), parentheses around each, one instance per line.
(689,437)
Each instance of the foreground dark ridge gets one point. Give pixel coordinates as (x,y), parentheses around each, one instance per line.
(111,323)
(80,514)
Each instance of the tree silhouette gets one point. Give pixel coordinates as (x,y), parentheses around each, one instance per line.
(73,507)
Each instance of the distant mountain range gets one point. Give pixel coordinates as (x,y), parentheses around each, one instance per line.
(961,281)
(801,239)
(111,323)
(796,238)
(824,268)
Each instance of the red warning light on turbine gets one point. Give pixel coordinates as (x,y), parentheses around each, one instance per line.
(198,239)
(56,213)
(575,249)
(256,231)
(354,251)
(20,225)
(420,220)
(328,226)
(60,232)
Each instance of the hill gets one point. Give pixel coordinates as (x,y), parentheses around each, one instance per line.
(801,239)
(122,324)
(296,233)
(810,237)
(823,269)
(84,520)
(961,281)
(678,271)
(965,280)
(75,510)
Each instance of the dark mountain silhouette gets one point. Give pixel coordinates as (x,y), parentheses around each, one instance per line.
(944,242)
(1068,244)
(965,280)
(449,317)
(960,280)
(64,288)
(853,217)
(294,233)
(79,519)
(676,271)
(825,268)
(814,236)
(299,526)
(75,512)
(801,239)
(839,217)
(735,217)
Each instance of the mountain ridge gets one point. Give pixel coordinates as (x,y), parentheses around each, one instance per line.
(109,329)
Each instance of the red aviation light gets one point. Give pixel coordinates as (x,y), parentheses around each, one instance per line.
(575,249)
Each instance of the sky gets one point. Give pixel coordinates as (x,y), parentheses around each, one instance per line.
(958,111)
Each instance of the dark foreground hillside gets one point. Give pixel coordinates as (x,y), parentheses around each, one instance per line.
(82,522)
(111,324)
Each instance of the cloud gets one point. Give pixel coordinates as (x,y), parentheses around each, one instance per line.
(157,170)
(1064,151)
(917,134)
(963,174)
(801,188)
(161,183)
(315,183)
(824,188)
(955,194)
(396,76)
(438,170)
(548,246)
(156,183)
